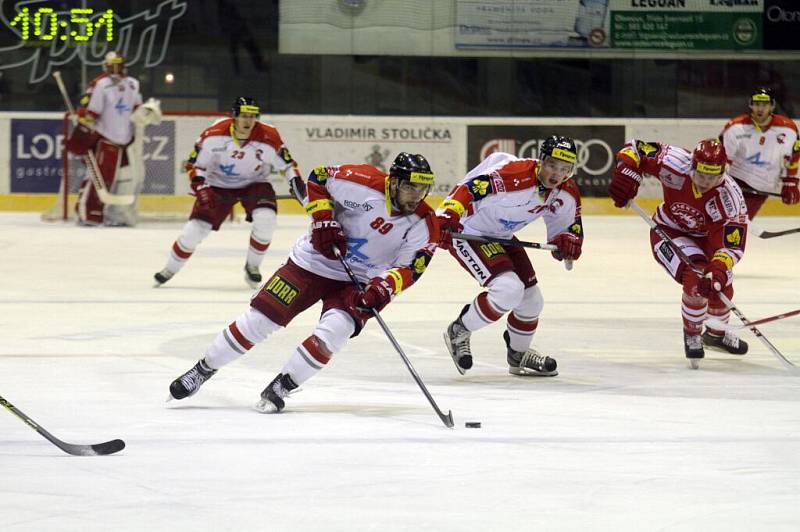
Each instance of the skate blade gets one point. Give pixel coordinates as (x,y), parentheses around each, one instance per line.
(265,406)
(694,363)
(531,373)
(452,356)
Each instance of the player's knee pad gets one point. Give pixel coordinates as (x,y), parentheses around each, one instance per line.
(334,328)
(506,291)
(194,232)
(255,326)
(264,224)
(532,302)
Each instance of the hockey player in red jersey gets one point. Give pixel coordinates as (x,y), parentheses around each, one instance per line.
(497,198)
(388,235)
(230,163)
(763,150)
(104,127)
(705,214)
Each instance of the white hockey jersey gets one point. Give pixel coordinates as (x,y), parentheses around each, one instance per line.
(225,162)
(502,195)
(761,157)
(381,241)
(109,101)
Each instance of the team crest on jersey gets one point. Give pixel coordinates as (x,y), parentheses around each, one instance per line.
(688,216)
(734,235)
(282,290)
(492,249)
(479,187)
(781,138)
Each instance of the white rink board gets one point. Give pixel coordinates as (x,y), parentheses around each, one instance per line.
(625,438)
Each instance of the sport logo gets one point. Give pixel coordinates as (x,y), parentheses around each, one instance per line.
(492,249)
(282,290)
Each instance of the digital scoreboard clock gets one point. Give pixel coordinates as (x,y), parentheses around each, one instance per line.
(78,24)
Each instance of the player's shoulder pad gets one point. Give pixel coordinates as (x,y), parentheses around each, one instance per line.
(784,121)
(571,187)
(741,120)
(362,174)
(266,134)
(516,175)
(220,128)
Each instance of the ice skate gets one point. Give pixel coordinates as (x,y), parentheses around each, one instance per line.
(252,276)
(530,363)
(727,343)
(693,347)
(272,397)
(162,277)
(456,338)
(188,383)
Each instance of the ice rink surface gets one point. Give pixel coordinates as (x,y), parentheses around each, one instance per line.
(625,438)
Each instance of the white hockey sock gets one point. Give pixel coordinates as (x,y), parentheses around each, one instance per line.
(239,337)
(523,320)
(504,293)
(260,236)
(329,337)
(194,232)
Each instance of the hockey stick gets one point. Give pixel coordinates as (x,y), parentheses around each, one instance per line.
(512,243)
(760,233)
(446,419)
(716,324)
(109,447)
(728,303)
(94,169)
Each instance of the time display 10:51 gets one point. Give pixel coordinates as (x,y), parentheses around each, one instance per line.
(45,24)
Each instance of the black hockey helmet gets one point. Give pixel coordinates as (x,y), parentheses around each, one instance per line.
(762,94)
(244,104)
(559,147)
(411,167)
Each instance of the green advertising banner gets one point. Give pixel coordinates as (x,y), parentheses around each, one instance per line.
(686,24)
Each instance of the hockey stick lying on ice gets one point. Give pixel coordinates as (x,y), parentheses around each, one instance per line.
(716,324)
(446,419)
(109,447)
(728,303)
(94,169)
(760,233)
(512,243)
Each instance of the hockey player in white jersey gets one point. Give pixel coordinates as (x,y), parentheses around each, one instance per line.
(763,150)
(231,163)
(497,198)
(104,128)
(387,234)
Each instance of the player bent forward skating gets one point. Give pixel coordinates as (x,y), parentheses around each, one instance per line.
(391,234)
(497,198)
(705,214)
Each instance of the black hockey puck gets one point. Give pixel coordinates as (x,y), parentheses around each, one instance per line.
(473,424)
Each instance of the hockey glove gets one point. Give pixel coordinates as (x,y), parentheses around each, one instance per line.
(449,223)
(376,295)
(569,246)
(206,197)
(790,193)
(624,185)
(326,235)
(714,279)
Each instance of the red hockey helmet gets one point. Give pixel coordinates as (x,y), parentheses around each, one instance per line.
(708,163)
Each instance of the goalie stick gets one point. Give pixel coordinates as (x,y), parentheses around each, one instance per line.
(446,419)
(728,303)
(513,243)
(98,449)
(93,168)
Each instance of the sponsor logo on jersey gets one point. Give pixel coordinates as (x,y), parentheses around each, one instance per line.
(465,252)
(351,204)
(666,251)
(670,179)
(510,225)
(756,159)
(727,203)
(713,210)
(734,235)
(228,170)
(781,138)
(282,290)
(492,249)
(497,183)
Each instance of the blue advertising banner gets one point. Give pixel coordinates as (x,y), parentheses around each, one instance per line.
(36,150)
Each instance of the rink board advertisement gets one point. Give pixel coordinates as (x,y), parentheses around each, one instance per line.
(36,148)
(597,146)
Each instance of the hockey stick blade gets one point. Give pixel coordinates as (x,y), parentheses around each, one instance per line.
(98,449)
(773,234)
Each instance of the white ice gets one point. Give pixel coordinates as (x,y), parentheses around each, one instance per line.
(625,438)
